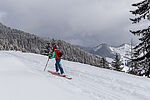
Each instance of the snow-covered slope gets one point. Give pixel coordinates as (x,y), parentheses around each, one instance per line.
(22,78)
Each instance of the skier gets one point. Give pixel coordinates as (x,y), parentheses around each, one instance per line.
(57,55)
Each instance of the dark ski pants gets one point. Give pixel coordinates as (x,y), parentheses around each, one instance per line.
(58,66)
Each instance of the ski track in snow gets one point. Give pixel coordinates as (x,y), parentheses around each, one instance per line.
(22,78)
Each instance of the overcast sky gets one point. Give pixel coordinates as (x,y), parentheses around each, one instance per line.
(80,22)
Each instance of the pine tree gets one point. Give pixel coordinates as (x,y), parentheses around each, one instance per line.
(134,67)
(104,63)
(116,64)
(142,50)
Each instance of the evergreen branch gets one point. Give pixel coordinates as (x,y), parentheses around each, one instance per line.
(140,3)
(138,32)
(143,32)
(139,45)
(138,19)
(143,57)
(142,9)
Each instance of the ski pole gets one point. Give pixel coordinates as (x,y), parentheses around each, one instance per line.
(46,64)
(48,48)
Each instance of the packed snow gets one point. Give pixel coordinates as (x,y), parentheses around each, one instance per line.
(22,78)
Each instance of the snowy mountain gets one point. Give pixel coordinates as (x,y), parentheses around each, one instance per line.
(124,50)
(22,78)
(102,50)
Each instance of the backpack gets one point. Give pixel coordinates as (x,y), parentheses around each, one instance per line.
(59,54)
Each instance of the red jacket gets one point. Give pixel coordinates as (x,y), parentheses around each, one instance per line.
(57,51)
(55,54)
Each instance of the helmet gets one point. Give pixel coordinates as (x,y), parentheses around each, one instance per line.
(55,47)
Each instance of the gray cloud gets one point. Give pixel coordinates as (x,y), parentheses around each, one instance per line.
(2,16)
(84,22)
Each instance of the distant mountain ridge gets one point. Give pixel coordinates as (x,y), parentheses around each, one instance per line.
(105,50)
(102,50)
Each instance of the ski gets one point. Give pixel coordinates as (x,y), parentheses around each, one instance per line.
(54,73)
